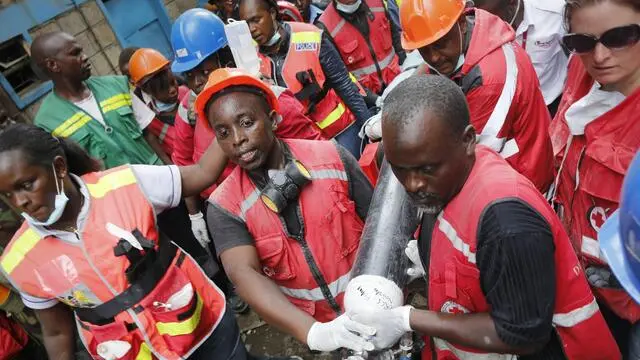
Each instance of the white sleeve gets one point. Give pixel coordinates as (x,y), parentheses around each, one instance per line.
(161,184)
(141,111)
(37,303)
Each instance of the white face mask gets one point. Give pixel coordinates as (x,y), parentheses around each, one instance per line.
(349,9)
(164,107)
(460,57)
(274,39)
(60,203)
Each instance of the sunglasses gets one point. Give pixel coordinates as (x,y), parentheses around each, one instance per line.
(616,38)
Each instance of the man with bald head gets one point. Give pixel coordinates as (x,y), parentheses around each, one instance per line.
(503,277)
(98,112)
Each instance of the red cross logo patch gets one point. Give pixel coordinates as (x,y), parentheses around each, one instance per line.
(452,307)
(597,216)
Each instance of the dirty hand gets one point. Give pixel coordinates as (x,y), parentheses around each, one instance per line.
(390,325)
(341,332)
(601,277)
(415,270)
(199,229)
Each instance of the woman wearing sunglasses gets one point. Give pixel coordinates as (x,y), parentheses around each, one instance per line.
(595,134)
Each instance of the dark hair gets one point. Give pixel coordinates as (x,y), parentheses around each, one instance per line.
(126,55)
(419,93)
(271,5)
(572,5)
(41,148)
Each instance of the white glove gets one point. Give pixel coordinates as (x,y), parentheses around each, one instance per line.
(341,332)
(415,269)
(390,325)
(199,229)
(372,127)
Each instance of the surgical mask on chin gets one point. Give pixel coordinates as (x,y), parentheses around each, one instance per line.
(164,107)
(60,204)
(274,39)
(349,9)
(461,58)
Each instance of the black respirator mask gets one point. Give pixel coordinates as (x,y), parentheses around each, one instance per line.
(284,186)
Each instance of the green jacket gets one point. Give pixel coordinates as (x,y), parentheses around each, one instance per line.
(119,142)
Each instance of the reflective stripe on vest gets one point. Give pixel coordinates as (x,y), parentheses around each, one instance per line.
(445,227)
(71,125)
(144,353)
(20,248)
(252,198)
(489,134)
(305,37)
(576,316)
(111,182)
(592,248)
(371,69)
(461,354)
(163,132)
(336,287)
(184,327)
(332,117)
(116,102)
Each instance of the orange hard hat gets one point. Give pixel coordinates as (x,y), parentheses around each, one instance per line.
(145,62)
(426,21)
(289,12)
(224,78)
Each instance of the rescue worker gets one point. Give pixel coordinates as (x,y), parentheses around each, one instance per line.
(90,244)
(287,221)
(593,139)
(158,88)
(539,27)
(310,12)
(300,57)
(367,39)
(477,51)
(97,112)
(502,275)
(200,47)
(619,243)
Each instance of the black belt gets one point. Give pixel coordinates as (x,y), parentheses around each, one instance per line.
(105,313)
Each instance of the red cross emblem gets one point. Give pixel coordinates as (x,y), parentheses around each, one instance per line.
(451,307)
(597,216)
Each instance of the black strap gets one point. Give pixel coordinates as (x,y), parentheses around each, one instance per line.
(424,248)
(106,312)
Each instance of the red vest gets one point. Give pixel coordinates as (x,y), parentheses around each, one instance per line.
(454,279)
(12,338)
(373,73)
(591,169)
(330,114)
(331,226)
(87,273)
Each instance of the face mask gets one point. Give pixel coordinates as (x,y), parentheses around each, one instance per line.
(60,203)
(274,39)
(460,57)
(164,107)
(284,186)
(515,15)
(349,9)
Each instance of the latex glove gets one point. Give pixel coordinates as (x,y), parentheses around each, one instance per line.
(390,325)
(415,270)
(372,128)
(341,332)
(601,277)
(199,229)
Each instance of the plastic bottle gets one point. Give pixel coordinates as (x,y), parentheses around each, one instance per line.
(243,48)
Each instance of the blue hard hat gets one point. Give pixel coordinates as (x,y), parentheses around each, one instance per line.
(195,35)
(619,237)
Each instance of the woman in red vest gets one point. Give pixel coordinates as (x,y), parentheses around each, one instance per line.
(287,221)
(299,57)
(595,136)
(90,244)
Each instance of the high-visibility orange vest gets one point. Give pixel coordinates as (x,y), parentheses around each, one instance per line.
(373,73)
(454,278)
(329,113)
(88,273)
(309,268)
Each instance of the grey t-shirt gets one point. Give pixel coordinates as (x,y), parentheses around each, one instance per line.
(229,232)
